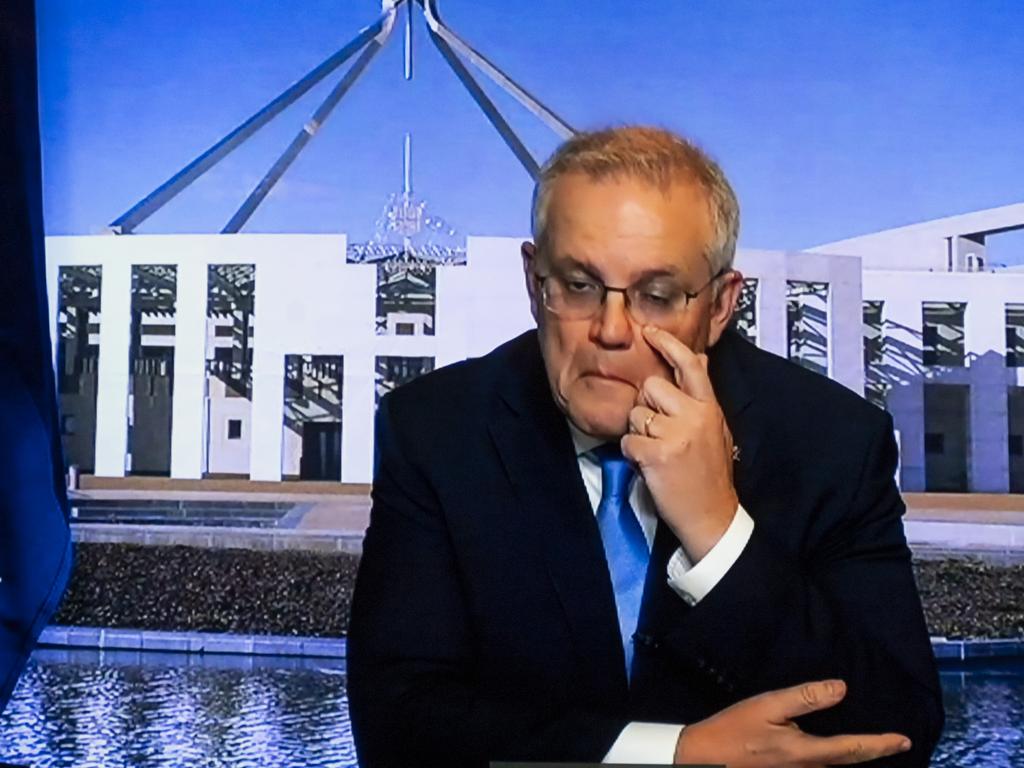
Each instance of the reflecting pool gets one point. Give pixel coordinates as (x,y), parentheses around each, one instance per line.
(86,708)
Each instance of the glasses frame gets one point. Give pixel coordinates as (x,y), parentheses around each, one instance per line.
(690,296)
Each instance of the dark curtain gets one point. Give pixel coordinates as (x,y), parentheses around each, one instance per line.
(35,553)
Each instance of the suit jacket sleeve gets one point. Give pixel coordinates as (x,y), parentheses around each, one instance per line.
(846,609)
(412,691)
(35,543)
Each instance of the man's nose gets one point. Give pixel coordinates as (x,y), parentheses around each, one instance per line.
(612,326)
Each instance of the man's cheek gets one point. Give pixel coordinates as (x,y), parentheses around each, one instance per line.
(654,365)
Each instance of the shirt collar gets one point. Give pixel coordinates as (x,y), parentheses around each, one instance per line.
(582,442)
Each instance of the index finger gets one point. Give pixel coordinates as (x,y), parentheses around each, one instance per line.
(799,700)
(850,749)
(691,376)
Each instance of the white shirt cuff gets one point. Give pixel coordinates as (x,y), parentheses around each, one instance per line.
(645,744)
(693,582)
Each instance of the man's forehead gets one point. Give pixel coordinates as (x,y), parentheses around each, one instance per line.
(680,207)
(659,227)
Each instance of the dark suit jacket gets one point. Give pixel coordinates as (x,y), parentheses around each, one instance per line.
(483,622)
(35,543)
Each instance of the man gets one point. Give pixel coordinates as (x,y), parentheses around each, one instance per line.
(631,536)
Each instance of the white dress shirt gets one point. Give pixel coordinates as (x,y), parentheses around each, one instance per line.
(655,743)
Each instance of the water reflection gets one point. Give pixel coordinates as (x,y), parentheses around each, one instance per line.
(984,716)
(84,708)
(129,709)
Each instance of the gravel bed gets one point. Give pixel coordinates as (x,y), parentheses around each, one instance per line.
(209,590)
(972,598)
(309,593)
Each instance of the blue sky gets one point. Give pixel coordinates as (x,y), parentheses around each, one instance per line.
(832,119)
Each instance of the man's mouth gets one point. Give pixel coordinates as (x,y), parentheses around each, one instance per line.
(609,376)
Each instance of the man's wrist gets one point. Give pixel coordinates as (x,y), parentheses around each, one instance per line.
(698,541)
(692,582)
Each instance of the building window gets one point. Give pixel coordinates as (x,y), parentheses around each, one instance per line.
(234,429)
(934,443)
(943,333)
(876,384)
(154,297)
(392,372)
(1014,335)
(406,287)
(312,417)
(807,316)
(745,318)
(1015,436)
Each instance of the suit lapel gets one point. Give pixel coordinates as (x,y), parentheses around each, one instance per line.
(536,449)
(735,392)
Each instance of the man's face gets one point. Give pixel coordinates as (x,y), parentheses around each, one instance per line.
(621,232)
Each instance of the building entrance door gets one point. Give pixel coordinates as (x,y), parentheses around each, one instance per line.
(321,451)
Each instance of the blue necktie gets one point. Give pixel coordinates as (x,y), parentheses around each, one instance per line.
(624,542)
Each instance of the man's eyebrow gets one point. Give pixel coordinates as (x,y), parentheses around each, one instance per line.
(567,262)
(653,274)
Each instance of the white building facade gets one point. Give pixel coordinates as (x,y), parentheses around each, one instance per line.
(275,374)
(263,356)
(944,346)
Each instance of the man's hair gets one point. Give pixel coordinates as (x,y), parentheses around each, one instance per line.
(649,154)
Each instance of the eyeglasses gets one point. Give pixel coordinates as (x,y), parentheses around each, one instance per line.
(654,301)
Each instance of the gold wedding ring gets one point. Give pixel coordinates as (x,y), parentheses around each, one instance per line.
(647,423)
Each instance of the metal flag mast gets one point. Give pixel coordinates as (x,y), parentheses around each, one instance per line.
(367,43)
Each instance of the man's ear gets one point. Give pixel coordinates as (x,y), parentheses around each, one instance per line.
(529,254)
(724,305)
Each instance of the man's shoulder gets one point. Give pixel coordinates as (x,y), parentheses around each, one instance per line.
(803,396)
(464,389)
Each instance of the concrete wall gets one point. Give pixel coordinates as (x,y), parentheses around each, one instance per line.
(986,295)
(773,269)
(227,456)
(923,246)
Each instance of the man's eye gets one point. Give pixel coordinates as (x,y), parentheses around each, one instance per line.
(580,286)
(656,298)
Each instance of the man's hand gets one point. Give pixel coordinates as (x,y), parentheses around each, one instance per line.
(760,731)
(679,440)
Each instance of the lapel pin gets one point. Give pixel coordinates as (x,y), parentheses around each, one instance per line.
(735,453)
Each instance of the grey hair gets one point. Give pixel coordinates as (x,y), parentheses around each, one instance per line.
(650,154)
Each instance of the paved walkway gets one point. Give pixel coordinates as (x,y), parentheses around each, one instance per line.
(965,522)
(983,522)
(144,640)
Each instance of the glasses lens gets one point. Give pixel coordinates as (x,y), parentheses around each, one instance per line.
(656,304)
(574,298)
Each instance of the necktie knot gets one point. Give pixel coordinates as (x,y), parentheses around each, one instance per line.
(616,471)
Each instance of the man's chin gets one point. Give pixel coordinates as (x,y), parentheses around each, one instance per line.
(601,420)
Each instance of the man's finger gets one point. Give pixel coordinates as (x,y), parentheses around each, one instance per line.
(788,703)
(645,421)
(691,376)
(663,396)
(851,749)
(639,449)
